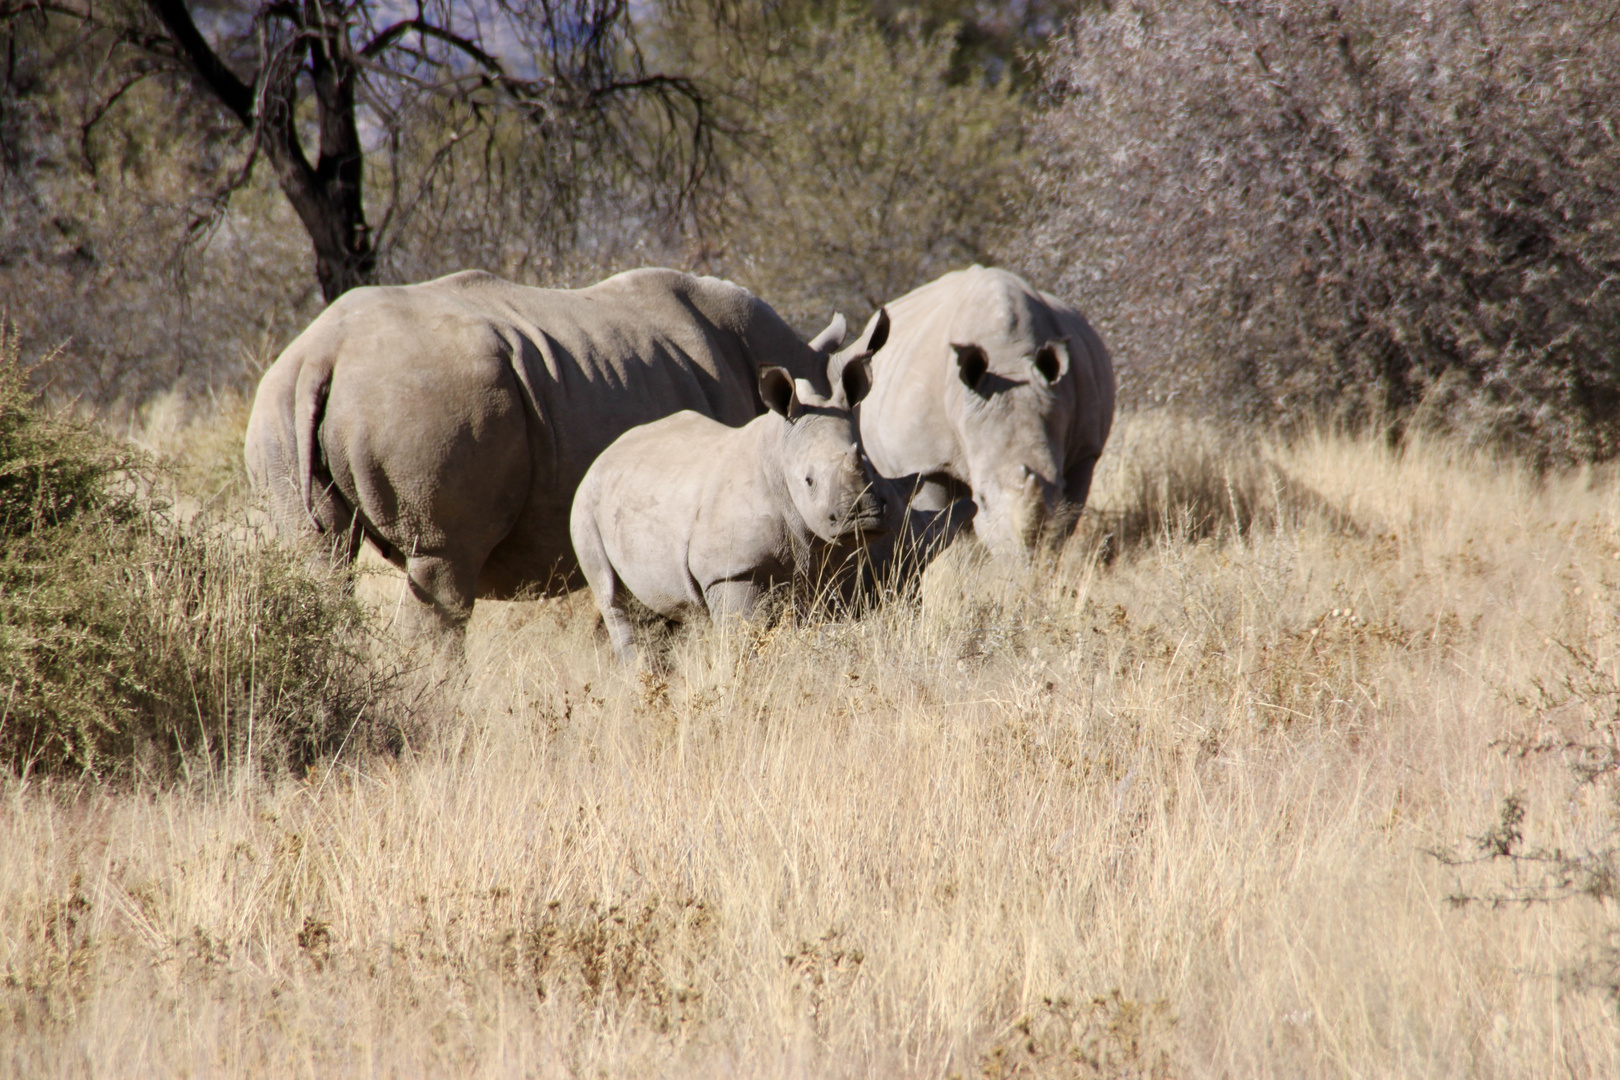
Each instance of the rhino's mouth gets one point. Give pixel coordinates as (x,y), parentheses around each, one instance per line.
(867,522)
(866,516)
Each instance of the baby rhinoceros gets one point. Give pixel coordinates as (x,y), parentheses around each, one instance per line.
(688,515)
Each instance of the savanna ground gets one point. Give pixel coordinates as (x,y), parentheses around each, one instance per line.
(1277,773)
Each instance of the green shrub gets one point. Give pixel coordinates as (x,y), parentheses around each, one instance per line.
(51,474)
(876,172)
(136,644)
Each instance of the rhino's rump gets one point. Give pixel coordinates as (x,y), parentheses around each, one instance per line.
(643,496)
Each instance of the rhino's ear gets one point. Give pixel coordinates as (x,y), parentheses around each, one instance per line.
(1052,360)
(971,364)
(856,379)
(876,333)
(829,339)
(776,390)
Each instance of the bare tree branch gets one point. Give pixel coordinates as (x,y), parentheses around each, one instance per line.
(232,92)
(599,120)
(421,26)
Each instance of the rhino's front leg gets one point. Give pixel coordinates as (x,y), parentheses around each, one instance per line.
(929,534)
(728,600)
(1076,488)
(933,491)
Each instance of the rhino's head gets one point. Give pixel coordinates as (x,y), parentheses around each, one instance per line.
(826,475)
(1012,425)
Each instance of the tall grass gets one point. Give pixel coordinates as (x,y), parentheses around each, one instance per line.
(1167,812)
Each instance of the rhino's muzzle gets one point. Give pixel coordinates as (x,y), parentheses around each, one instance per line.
(1021,517)
(868,516)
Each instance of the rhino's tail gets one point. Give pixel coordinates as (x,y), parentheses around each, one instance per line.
(309,409)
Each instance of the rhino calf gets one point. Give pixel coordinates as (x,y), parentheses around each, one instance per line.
(689,515)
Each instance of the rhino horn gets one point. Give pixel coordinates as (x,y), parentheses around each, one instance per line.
(832,337)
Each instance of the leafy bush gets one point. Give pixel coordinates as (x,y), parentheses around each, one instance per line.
(1388,210)
(876,173)
(136,644)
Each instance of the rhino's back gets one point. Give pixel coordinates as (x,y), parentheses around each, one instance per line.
(632,349)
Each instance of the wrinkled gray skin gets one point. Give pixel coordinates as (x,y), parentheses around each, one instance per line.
(450,422)
(989,387)
(690,516)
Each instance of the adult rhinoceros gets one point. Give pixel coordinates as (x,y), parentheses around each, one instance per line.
(450,422)
(988,386)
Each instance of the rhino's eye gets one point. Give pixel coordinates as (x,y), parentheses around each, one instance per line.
(809,481)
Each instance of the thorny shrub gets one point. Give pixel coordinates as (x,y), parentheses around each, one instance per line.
(1387,211)
(1573,719)
(137,644)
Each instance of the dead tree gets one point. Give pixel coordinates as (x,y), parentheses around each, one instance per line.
(312,82)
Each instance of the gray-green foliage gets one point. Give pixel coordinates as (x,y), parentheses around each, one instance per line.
(1378,209)
(136,644)
(873,173)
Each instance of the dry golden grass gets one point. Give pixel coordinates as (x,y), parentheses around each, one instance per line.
(1164,813)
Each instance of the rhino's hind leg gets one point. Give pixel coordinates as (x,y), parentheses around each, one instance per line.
(336,545)
(608,590)
(445,587)
(619,628)
(605,585)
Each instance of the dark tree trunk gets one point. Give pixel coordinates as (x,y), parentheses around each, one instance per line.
(327,196)
(334,213)
(333,218)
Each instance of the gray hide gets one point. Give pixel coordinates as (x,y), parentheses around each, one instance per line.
(990,387)
(691,516)
(450,422)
